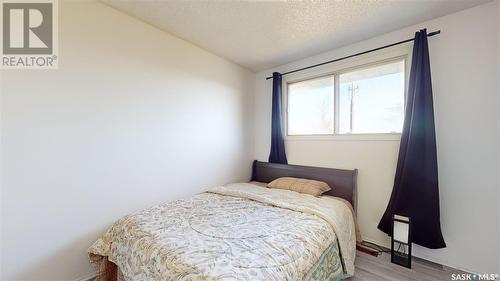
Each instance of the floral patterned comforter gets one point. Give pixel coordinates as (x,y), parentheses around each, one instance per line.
(234,232)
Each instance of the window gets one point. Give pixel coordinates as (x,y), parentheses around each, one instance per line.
(363,100)
(310,107)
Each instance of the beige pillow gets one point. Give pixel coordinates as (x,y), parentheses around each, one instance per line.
(312,187)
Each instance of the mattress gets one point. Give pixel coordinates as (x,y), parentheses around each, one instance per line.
(235,232)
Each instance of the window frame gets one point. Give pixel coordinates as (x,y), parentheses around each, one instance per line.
(336,69)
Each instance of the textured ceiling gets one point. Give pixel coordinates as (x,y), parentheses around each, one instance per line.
(264,34)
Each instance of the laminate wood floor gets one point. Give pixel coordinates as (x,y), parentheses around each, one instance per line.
(370,268)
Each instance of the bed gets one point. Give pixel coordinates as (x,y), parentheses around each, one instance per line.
(240,231)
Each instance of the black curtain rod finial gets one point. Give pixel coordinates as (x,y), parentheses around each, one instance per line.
(434,33)
(355,55)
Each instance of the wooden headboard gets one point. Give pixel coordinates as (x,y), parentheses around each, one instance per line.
(342,182)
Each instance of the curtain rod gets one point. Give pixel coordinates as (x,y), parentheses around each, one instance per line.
(358,54)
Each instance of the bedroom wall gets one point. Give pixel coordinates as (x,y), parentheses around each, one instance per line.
(498,92)
(467,120)
(132,117)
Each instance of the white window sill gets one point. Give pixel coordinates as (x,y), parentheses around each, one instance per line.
(346,137)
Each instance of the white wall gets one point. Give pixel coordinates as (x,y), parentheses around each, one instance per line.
(467,120)
(132,117)
(498,92)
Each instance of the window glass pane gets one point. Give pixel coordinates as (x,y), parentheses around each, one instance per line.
(371,100)
(310,107)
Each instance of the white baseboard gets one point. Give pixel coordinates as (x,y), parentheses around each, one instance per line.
(88,277)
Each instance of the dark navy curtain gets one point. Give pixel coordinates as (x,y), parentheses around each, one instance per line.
(277,154)
(416,193)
